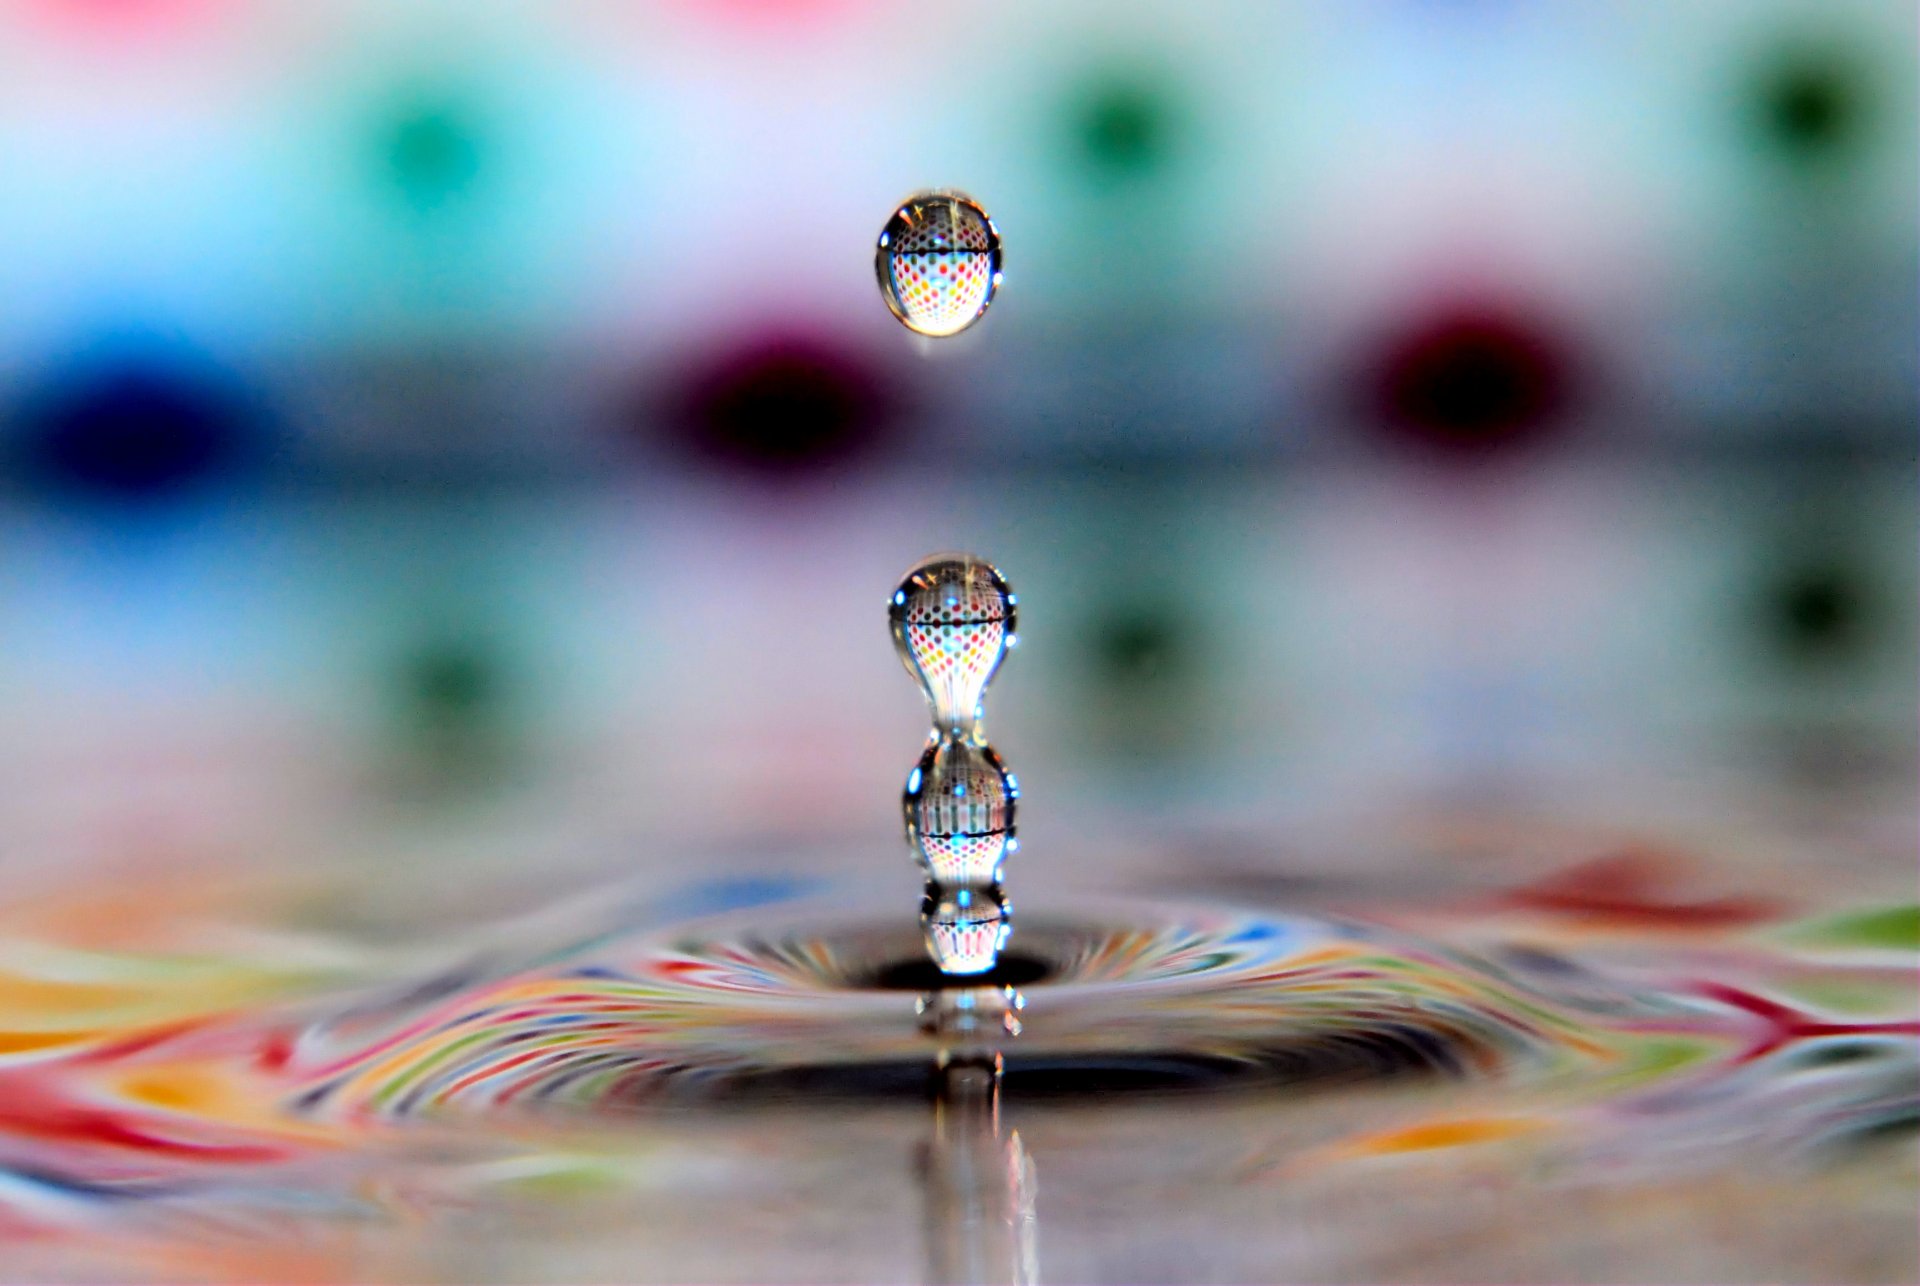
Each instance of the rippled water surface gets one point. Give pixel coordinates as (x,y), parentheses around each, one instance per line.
(1213,1088)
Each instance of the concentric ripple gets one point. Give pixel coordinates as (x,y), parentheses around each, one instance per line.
(154,1104)
(1126,1000)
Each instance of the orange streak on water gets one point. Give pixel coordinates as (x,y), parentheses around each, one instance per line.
(1432,1135)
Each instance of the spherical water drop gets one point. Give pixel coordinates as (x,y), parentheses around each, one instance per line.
(959,807)
(952,618)
(966,926)
(938,262)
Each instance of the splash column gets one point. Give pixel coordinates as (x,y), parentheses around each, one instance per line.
(953,619)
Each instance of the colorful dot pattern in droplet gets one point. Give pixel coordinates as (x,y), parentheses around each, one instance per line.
(953,620)
(939,263)
(958,658)
(940,293)
(968,944)
(960,813)
(964,859)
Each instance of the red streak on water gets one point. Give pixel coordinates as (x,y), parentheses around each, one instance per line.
(1785,1025)
(35,1111)
(1625,887)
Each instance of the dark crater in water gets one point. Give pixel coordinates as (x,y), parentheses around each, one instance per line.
(1146,1005)
(1361,1056)
(1012,970)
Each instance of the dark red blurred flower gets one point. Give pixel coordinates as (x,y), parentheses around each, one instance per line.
(781,406)
(1469,381)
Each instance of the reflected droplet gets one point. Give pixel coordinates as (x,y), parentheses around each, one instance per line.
(971,1020)
(938,262)
(959,806)
(979,1186)
(953,621)
(966,926)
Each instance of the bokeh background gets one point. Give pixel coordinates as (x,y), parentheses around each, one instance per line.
(465,437)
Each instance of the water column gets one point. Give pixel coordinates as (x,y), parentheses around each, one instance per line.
(953,622)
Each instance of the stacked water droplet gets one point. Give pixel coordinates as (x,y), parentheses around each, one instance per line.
(953,622)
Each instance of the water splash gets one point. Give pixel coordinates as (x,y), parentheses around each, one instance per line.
(953,619)
(1130,1001)
(588,1048)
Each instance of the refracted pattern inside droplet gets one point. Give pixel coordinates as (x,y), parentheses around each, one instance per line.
(960,809)
(942,291)
(957,661)
(963,857)
(952,618)
(966,927)
(939,258)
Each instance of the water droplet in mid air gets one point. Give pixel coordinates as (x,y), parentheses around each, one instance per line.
(953,620)
(959,808)
(966,926)
(938,262)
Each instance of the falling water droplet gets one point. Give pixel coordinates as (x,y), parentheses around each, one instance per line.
(959,808)
(966,926)
(938,261)
(953,620)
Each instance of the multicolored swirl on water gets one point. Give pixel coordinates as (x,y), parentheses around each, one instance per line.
(234,1091)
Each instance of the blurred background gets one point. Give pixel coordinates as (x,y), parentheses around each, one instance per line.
(467,436)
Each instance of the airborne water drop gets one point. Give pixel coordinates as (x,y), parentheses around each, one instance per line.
(938,261)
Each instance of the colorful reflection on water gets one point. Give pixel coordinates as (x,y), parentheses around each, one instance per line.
(603,1092)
